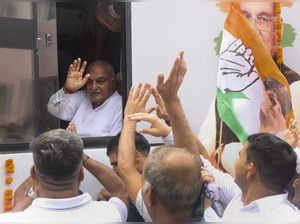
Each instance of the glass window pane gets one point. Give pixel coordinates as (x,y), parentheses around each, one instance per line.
(16,9)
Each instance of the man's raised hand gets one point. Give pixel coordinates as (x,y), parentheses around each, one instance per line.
(75,79)
(136,102)
(160,107)
(292,135)
(168,89)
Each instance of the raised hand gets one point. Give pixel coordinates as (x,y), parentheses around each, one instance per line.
(75,79)
(136,102)
(72,127)
(160,107)
(292,135)
(168,89)
(157,129)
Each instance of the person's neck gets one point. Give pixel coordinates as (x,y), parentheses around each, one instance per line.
(44,193)
(96,105)
(257,191)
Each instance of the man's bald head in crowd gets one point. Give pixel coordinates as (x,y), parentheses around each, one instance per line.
(173,175)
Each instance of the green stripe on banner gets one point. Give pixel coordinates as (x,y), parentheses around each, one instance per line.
(227,113)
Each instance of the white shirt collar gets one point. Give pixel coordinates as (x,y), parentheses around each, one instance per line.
(62,204)
(267,203)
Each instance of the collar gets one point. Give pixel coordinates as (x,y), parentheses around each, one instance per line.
(267,203)
(62,204)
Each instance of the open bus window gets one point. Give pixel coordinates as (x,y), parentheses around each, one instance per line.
(35,54)
(90,31)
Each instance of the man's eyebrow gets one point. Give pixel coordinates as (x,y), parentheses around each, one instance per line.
(264,14)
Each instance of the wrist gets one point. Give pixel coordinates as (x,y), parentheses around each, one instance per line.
(128,121)
(68,91)
(172,101)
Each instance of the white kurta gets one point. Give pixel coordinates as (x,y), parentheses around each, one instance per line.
(105,120)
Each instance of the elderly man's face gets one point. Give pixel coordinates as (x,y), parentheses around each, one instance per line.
(262,18)
(100,86)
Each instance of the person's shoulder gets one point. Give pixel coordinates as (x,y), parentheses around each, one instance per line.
(103,206)
(104,210)
(12,217)
(116,96)
(116,100)
(290,211)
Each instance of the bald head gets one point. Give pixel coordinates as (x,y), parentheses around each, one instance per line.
(174,176)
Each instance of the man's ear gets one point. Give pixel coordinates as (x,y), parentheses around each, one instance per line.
(251,170)
(33,173)
(148,194)
(137,155)
(81,174)
(296,182)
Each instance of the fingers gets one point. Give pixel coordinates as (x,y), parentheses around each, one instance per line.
(159,111)
(160,81)
(142,93)
(78,64)
(175,68)
(85,79)
(151,109)
(130,95)
(146,98)
(142,117)
(157,97)
(104,195)
(71,68)
(181,53)
(138,91)
(149,131)
(267,101)
(83,67)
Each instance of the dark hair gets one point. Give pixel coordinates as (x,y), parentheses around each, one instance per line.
(141,144)
(102,63)
(274,158)
(57,155)
(166,183)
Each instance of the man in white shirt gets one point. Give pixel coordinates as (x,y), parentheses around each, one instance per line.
(266,165)
(56,175)
(96,110)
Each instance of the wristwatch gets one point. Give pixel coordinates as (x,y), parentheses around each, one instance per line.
(31,193)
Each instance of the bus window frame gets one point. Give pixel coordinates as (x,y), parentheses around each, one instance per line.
(126,67)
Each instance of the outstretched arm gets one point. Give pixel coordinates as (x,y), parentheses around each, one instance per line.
(126,151)
(168,89)
(107,177)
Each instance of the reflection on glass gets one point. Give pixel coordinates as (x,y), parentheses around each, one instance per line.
(16,9)
(16,88)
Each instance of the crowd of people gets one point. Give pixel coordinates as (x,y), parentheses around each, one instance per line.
(174,183)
